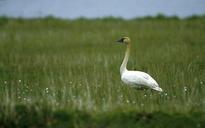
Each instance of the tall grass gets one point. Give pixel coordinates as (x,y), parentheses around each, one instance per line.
(74,65)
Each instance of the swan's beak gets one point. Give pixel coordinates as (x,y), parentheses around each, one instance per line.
(120,40)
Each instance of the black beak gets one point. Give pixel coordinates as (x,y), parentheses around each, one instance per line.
(120,40)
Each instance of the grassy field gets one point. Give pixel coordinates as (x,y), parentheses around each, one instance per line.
(57,73)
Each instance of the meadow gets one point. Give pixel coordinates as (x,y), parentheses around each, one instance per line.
(58,73)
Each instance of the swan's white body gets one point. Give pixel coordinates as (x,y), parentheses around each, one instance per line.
(136,79)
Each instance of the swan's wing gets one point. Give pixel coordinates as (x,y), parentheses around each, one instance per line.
(148,78)
(140,78)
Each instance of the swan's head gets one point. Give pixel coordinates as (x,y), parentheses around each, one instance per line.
(124,40)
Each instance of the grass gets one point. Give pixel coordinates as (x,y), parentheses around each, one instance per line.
(73,65)
(30,117)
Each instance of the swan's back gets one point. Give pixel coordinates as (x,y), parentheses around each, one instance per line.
(139,79)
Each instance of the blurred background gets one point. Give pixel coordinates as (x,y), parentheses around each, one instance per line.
(96,8)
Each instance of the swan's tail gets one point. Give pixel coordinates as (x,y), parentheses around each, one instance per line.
(157,89)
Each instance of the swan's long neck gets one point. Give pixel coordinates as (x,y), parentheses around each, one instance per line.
(123,66)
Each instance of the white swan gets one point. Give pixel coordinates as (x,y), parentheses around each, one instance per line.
(136,79)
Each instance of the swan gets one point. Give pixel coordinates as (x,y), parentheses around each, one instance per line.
(135,79)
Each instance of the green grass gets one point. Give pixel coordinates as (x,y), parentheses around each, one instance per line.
(65,65)
(30,117)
